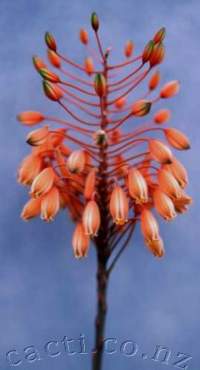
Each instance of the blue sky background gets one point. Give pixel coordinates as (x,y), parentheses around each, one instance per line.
(44,293)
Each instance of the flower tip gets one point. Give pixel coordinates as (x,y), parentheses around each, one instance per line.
(141,107)
(52,91)
(159,35)
(147,52)
(95,21)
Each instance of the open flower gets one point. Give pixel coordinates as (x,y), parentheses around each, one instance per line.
(50,204)
(149,226)
(91,218)
(137,186)
(31,209)
(168,184)
(29,169)
(80,241)
(119,206)
(159,151)
(43,182)
(164,205)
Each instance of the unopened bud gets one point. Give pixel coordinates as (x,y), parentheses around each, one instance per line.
(54,59)
(38,63)
(128,50)
(170,89)
(89,66)
(159,35)
(157,55)
(154,80)
(30,118)
(147,51)
(83,35)
(141,108)
(94,21)
(50,41)
(48,75)
(52,91)
(100,84)
(100,137)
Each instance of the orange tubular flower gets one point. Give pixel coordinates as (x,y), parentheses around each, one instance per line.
(164,205)
(90,184)
(31,209)
(162,116)
(181,204)
(128,50)
(154,80)
(91,218)
(29,169)
(168,184)
(156,247)
(149,226)
(38,137)
(137,186)
(119,206)
(177,139)
(89,66)
(178,171)
(30,118)
(159,151)
(83,36)
(76,161)
(80,242)
(43,182)
(170,89)
(157,55)
(50,205)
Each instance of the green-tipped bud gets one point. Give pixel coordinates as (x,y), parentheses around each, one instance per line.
(160,35)
(100,137)
(38,63)
(48,75)
(52,91)
(95,21)
(147,51)
(141,107)
(100,84)
(50,41)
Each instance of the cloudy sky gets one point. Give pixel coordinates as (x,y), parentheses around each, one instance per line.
(45,294)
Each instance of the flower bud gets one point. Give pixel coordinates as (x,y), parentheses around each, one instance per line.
(156,247)
(48,75)
(80,242)
(100,137)
(159,151)
(94,21)
(159,35)
(50,41)
(168,184)
(52,91)
(128,50)
(120,103)
(147,51)
(100,84)
(157,55)
(43,182)
(181,204)
(38,137)
(91,218)
(137,186)
(29,169)
(89,66)
(76,161)
(31,209)
(38,63)
(177,139)
(90,184)
(119,206)
(170,89)
(115,136)
(149,226)
(54,59)
(179,172)
(162,116)
(83,35)
(30,118)
(154,80)
(141,108)
(164,205)
(50,205)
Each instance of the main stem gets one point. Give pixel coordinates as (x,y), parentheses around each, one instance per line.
(101,245)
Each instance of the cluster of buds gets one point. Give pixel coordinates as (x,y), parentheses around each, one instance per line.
(108,178)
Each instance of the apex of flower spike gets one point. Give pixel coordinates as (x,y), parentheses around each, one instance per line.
(52,91)
(100,84)
(159,35)
(95,21)
(50,41)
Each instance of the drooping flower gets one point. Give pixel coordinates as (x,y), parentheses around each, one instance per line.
(137,186)
(31,209)
(91,218)
(80,241)
(43,182)
(76,161)
(177,139)
(159,151)
(164,205)
(50,204)
(119,206)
